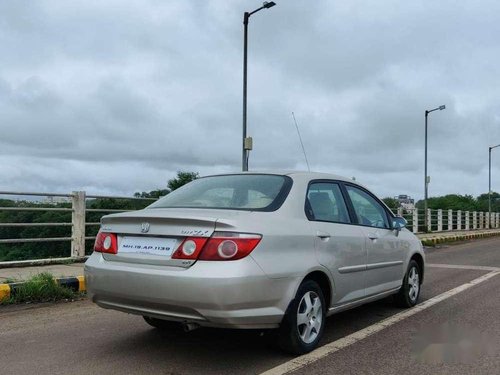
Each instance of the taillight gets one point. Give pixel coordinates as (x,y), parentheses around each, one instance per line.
(221,246)
(190,248)
(106,243)
(229,246)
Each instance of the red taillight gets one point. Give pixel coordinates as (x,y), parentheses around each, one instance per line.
(106,243)
(229,246)
(190,248)
(221,246)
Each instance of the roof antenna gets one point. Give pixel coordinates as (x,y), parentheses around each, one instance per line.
(301,143)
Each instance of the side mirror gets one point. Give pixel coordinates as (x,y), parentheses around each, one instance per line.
(398,223)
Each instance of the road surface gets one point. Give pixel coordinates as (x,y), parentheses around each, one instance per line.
(456,331)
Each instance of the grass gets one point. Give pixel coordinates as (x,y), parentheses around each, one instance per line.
(40,288)
(8,281)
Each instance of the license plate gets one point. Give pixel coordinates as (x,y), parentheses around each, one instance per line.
(147,245)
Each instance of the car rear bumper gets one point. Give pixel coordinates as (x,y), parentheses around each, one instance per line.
(232,294)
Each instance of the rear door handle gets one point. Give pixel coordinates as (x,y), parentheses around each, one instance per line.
(373,236)
(323,235)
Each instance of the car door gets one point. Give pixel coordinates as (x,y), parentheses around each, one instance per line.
(340,246)
(385,252)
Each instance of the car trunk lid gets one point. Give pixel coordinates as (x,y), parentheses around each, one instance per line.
(151,236)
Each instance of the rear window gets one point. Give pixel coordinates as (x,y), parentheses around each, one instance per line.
(252,192)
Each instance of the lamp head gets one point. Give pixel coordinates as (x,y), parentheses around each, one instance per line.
(441,107)
(268,4)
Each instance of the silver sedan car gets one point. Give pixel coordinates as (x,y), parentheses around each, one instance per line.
(256,250)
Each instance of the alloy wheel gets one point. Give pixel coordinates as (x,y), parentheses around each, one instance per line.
(309,317)
(413,283)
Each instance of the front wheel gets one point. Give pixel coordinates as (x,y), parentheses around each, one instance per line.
(410,290)
(304,321)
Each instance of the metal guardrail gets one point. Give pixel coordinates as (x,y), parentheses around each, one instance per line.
(436,220)
(78,200)
(35,194)
(20,240)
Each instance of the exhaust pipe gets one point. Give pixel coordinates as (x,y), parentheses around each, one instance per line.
(188,327)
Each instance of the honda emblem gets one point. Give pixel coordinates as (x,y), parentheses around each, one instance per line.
(145,227)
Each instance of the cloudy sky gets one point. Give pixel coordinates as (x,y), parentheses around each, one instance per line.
(114,97)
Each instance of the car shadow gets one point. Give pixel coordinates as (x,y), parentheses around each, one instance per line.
(210,350)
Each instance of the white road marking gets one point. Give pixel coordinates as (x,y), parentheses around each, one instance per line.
(462,267)
(346,341)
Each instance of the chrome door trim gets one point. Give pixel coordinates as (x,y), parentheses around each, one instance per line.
(373,266)
(349,269)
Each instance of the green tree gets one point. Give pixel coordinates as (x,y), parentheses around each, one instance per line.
(152,194)
(391,203)
(482,202)
(34,250)
(182,179)
(451,202)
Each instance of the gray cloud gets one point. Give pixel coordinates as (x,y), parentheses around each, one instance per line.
(114,97)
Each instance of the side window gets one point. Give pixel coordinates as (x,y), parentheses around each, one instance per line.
(325,203)
(367,209)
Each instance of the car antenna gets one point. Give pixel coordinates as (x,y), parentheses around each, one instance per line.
(301,143)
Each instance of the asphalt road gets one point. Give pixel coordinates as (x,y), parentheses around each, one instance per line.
(458,335)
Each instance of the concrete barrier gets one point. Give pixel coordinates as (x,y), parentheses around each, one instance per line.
(434,238)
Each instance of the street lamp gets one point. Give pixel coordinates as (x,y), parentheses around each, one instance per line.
(489,183)
(247,142)
(426,177)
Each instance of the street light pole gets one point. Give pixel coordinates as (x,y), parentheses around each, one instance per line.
(489,183)
(246,145)
(244,161)
(426,177)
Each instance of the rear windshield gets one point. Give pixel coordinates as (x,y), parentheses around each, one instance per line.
(253,192)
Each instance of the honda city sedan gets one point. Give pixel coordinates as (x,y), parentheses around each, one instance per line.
(256,251)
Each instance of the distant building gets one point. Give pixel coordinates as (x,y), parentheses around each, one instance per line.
(56,200)
(406,201)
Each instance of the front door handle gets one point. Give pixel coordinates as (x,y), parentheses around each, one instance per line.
(373,236)
(323,235)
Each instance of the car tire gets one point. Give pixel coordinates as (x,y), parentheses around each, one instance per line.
(304,321)
(410,290)
(164,325)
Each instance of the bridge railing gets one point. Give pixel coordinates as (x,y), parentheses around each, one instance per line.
(85,219)
(447,220)
(76,203)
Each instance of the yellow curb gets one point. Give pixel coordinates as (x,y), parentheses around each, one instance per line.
(81,283)
(4,291)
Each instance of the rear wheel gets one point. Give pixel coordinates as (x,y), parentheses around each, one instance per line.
(164,325)
(304,321)
(410,290)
